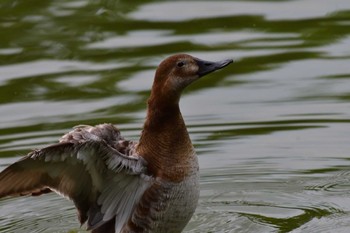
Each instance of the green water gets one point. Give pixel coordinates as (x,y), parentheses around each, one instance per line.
(271,131)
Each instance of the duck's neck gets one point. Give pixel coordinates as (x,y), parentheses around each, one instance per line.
(165,142)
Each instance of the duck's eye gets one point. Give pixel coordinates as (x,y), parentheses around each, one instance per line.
(180,64)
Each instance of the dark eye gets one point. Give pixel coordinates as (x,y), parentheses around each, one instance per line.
(180,64)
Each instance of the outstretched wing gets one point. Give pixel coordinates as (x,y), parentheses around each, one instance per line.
(102,182)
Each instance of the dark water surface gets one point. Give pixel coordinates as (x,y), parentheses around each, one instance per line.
(271,131)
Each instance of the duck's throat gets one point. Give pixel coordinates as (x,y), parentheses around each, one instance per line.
(165,142)
(165,127)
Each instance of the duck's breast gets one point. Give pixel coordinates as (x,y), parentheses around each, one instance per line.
(181,202)
(167,206)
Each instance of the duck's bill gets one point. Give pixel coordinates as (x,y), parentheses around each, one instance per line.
(206,67)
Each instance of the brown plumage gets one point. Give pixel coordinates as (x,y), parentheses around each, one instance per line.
(119,185)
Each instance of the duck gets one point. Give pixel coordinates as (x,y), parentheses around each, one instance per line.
(118,185)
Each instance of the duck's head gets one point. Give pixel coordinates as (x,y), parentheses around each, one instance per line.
(178,71)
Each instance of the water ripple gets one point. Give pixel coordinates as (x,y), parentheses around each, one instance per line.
(271,130)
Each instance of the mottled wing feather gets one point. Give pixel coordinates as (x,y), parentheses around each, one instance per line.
(102,182)
(16,181)
(53,167)
(37,171)
(118,198)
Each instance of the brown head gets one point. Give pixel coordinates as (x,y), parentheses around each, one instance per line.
(177,72)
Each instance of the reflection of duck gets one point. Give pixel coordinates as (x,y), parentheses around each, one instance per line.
(118,185)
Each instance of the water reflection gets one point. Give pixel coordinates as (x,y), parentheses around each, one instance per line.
(279,10)
(271,130)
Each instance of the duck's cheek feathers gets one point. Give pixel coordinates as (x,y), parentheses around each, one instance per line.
(186,75)
(192,70)
(178,82)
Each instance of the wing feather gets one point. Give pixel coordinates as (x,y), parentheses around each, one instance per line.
(102,182)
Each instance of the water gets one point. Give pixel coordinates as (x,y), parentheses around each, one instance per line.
(271,130)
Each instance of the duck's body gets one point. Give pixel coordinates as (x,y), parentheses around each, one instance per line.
(119,185)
